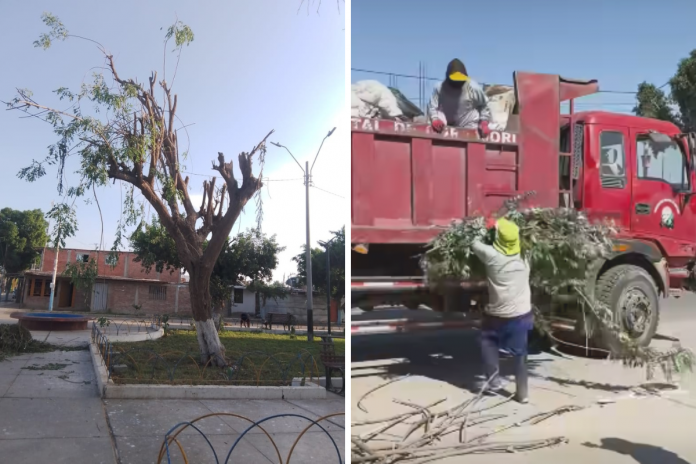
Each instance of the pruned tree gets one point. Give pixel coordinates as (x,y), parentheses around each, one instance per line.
(132,138)
(250,256)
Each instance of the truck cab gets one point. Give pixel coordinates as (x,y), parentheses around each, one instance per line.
(639,173)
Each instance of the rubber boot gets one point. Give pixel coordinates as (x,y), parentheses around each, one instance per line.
(521,379)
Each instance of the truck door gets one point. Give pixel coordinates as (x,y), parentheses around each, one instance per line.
(660,173)
(613,197)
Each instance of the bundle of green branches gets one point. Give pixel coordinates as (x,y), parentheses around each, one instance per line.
(562,247)
(558,243)
(15,339)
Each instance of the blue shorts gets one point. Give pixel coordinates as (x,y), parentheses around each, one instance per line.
(510,334)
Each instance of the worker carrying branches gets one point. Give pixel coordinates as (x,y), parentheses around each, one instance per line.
(459,101)
(508,317)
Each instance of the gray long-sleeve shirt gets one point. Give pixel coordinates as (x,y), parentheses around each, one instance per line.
(463,107)
(508,282)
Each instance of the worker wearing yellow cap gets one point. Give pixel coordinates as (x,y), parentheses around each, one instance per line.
(508,317)
(459,101)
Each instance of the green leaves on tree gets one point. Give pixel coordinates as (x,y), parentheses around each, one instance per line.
(679,105)
(338,265)
(64,223)
(57,31)
(82,275)
(183,35)
(22,233)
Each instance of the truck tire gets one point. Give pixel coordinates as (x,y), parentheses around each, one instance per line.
(632,295)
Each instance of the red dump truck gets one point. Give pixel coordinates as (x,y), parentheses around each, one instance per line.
(407,182)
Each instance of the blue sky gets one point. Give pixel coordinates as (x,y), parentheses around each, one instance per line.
(253,66)
(619,43)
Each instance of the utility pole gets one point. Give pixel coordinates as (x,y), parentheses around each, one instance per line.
(308,268)
(307,171)
(55,268)
(53,279)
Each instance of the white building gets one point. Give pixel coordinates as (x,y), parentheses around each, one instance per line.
(242,301)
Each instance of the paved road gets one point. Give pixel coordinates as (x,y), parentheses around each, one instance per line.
(632,427)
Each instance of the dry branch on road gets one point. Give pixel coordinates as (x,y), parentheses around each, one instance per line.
(379,447)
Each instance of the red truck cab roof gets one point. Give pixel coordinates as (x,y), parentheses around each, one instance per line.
(626,120)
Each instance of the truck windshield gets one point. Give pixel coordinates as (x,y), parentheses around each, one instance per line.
(662,162)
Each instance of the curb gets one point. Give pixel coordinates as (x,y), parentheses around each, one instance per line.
(135,336)
(109,390)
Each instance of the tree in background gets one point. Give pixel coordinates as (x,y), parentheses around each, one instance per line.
(652,102)
(22,234)
(679,107)
(264,291)
(128,132)
(683,85)
(249,257)
(338,266)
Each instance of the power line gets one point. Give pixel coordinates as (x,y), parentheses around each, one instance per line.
(326,191)
(410,76)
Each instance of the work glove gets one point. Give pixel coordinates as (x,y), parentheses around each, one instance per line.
(438,126)
(484,130)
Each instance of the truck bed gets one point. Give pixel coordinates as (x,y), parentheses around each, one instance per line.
(408,182)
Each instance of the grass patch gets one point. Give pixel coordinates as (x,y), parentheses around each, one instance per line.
(254,359)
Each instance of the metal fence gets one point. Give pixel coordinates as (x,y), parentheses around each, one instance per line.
(171,442)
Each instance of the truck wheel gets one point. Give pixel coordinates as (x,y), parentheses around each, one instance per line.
(631,294)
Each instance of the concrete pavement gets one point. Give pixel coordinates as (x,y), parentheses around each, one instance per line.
(50,411)
(631,427)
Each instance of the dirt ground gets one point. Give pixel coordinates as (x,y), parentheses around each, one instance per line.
(624,418)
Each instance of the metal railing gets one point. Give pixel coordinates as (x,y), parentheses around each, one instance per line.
(171,440)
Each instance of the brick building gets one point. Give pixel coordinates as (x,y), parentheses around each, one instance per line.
(117,289)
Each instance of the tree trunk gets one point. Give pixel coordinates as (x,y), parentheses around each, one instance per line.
(208,340)
(257,304)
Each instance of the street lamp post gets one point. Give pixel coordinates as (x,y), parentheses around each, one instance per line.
(307,171)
